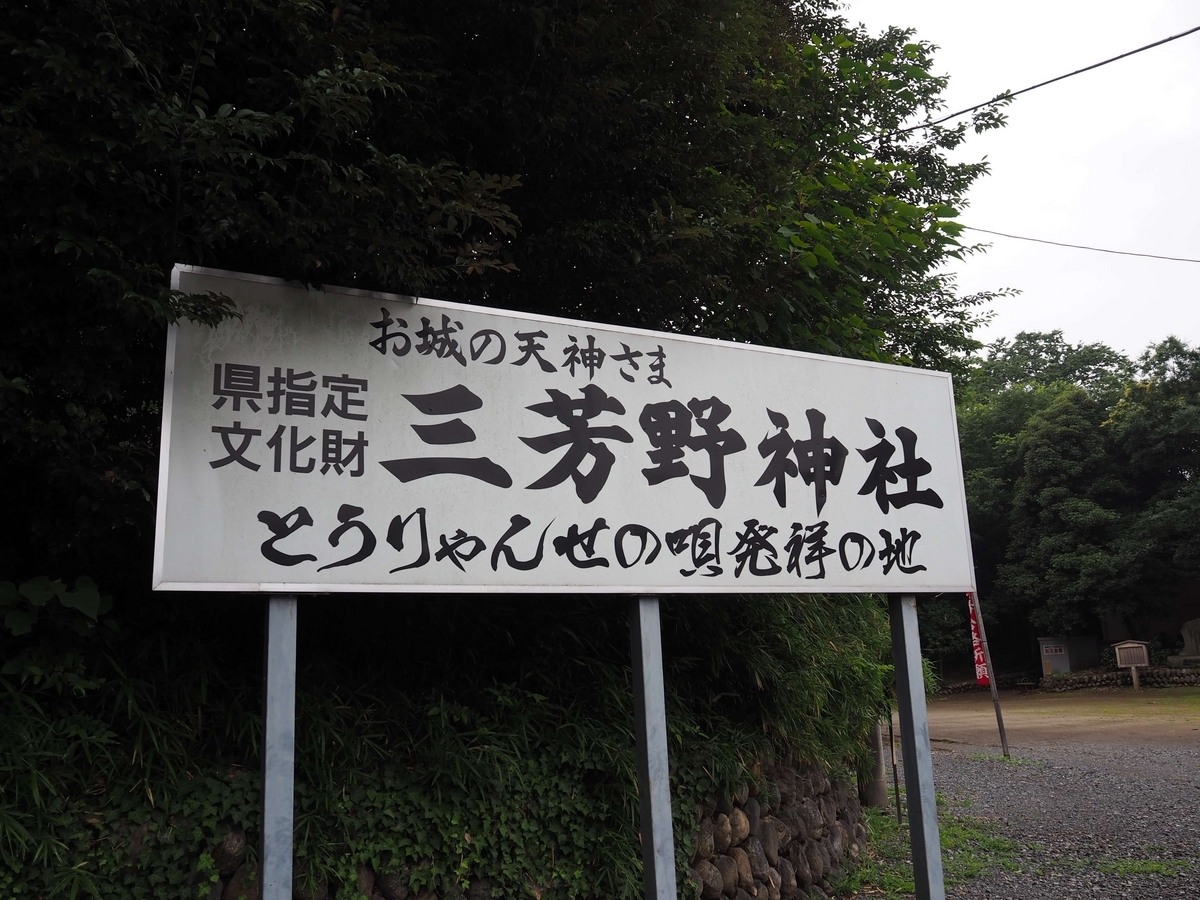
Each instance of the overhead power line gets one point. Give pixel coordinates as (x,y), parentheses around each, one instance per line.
(1019,237)
(1008,95)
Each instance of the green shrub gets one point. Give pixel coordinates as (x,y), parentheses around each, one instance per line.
(449,738)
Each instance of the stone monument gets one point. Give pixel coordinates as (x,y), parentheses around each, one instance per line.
(1189,657)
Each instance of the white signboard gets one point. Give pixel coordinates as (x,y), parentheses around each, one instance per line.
(342,440)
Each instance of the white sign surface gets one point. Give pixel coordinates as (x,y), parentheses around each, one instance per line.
(342,440)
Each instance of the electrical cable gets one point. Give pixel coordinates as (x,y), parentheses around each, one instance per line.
(1008,95)
(1019,237)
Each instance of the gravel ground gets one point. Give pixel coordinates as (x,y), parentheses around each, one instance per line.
(1075,810)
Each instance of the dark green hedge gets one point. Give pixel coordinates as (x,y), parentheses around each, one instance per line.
(450,739)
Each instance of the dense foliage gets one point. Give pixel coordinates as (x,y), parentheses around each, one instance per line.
(724,167)
(721,167)
(1079,473)
(250,136)
(123,761)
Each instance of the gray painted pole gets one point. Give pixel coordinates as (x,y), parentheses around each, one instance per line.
(650,715)
(895,771)
(914,745)
(279,750)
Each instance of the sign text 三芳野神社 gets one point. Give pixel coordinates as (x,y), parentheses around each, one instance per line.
(343,440)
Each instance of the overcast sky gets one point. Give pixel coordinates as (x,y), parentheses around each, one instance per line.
(1109,158)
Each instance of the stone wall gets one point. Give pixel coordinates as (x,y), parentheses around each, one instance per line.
(787,841)
(1148,676)
(1009,680)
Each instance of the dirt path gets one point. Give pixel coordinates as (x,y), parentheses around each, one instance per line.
(1166,716)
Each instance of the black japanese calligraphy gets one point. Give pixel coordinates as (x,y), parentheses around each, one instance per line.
(806,546)
(342,397)
(462,547)
(530,349)
(864,551)
(348,516)
(237,382)
(898,552)
(482,343)
(627,356)
(295,392)
(572,436)
(702,542)
(583,546)
(580,439)
(339,452)
(517,524)
(586,541)
(395,538)
(281,527)
(778,449)
(818,460)
(642,534)
(486,346)
(755,548)
(658,366)
(668,425)
(590,357)
(236,454)
(385,338)
(718,443)
(296,446)
(814,539)
(450,402)
(910,469)
(440,341)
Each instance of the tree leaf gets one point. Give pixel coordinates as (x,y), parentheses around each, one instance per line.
(85,598)
(20,621)
(38,591)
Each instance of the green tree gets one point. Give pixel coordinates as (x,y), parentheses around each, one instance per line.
(724,167)
(727,168)
(1060,567)
(246,135)
(990,435)
(1001,393)
(999,403)
(1036,357)
(945,630)
(731,169)
(1156,436)
(1079,467)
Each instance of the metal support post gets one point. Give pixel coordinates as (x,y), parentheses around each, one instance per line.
(895,770)
(914,745)
(279,750)
(650,713)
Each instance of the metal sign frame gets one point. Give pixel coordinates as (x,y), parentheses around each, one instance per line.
(208,538)
(646,652)
(658,844)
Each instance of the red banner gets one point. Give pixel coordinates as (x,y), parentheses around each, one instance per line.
(981,671)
